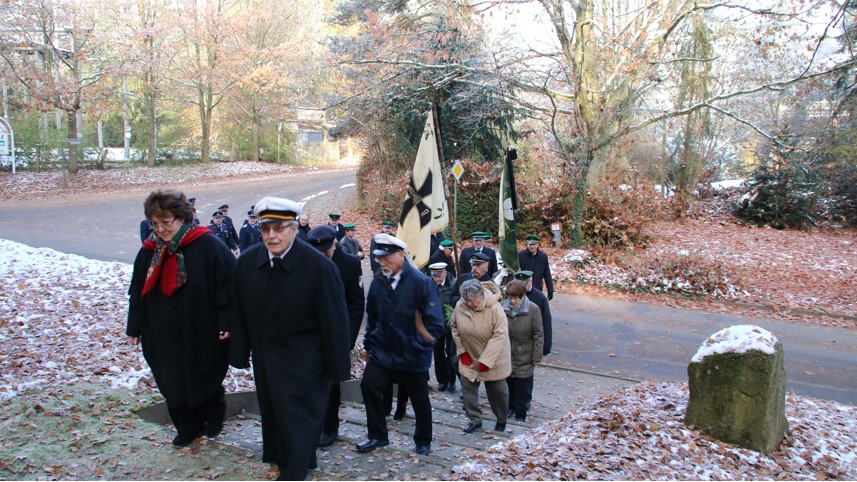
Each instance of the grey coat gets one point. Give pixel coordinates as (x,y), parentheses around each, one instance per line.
(526,336)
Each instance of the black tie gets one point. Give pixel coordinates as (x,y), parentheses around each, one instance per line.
(390,280)
(277,262)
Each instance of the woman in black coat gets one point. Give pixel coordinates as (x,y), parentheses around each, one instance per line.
(179,309)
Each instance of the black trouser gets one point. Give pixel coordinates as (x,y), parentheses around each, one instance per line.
(331,418)
(520,394)
(375,380)
(445,368)
(189,420)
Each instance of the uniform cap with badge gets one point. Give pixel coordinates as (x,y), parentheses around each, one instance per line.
(446,243)
(479,258)
(322,237)
(477,235)
(387,224)
(350,226)
(437,268)
(275,209)
(217,214)
(386,244)
(524,275)
(224,207)
(334,216)
(251,214)
(533,239)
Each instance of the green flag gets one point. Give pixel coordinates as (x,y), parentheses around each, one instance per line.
(508,203)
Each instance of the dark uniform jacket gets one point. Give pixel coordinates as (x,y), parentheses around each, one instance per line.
(179,334)
(392,340)
(250,234)
(294,320)
(466,253)
(540,300)
(538,264)
(340,231)
(224,234)
(355,298)
(303,231)
(448,295)
(231,226)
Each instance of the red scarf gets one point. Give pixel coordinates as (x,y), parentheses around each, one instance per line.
(169,259)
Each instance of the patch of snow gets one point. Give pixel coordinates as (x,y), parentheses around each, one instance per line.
(729,184)
(737,339)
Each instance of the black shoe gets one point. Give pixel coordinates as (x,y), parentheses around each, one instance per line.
(371,444)
(472,427)
(441,387)
(187,439)
(510,414)
(400,414)
(422,449)
(451,387)
(500,427)
(520,418)
(327,439)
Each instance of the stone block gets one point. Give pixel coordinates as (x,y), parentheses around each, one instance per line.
(737,384)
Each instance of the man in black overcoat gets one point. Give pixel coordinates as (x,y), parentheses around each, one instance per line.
(444,255)
(535,260)
(386,228)
(291,314)
(478,247)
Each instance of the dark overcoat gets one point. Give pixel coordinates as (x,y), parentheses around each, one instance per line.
(538,264)
(179,334)
(295,322)
(355,298)
(440,256)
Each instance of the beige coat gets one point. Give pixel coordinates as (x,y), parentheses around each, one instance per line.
(482,333)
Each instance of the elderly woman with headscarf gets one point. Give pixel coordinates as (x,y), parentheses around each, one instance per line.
(179,309)
(526,336)
(480,331)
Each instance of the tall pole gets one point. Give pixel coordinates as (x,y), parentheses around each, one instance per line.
(452,230)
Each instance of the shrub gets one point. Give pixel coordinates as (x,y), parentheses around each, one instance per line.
(780,196)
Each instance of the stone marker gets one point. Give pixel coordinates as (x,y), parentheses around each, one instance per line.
(737,388)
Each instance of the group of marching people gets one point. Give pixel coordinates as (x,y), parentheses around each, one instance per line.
(294,301)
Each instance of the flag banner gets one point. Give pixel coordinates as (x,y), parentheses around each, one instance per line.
(508,203)
(424,211)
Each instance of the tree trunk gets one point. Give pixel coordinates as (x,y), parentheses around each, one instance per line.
(126,131)
(72,138)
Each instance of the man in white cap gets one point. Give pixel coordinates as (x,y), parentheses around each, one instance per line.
(404,319)
(291,315)
(445,366)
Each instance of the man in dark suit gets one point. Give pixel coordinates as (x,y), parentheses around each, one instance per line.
(291,314)
(478,247)
(535,260)
(224,209)
(333,220)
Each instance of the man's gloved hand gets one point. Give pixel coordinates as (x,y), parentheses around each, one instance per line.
(466,360)
(550,296)
(483,368)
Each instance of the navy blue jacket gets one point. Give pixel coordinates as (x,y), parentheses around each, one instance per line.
(392,339)
(250,234)
(224,233)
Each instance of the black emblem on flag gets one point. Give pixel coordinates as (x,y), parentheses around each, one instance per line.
(415,200)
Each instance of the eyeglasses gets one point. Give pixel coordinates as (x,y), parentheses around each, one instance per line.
(277,227)
(165,225)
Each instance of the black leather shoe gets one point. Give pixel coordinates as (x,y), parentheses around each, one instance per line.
(371,444)
(422,449)
(472,427)
(327,439)
(510,414)
(520,418)
(500,427)
(441,387)
(399,415)
(187,439)
(451,387)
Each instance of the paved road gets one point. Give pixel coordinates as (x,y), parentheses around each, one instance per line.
(107,227)
(633,340)
(646,341)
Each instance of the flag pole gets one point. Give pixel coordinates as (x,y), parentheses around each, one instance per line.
(452,230)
